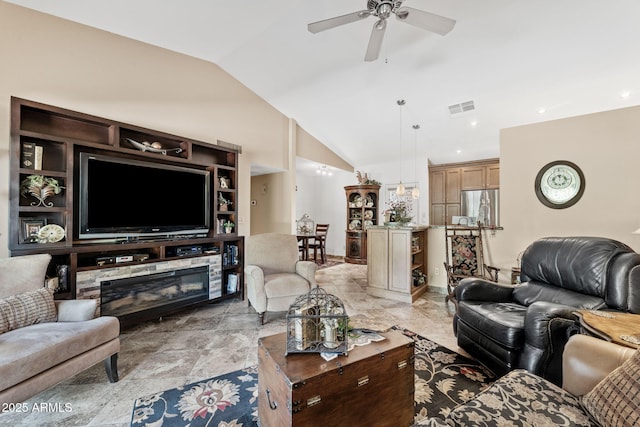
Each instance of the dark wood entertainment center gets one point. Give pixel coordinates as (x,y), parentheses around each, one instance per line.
(61,135)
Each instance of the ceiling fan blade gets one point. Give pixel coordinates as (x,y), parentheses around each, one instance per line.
(425,20)
(375,41)
(316,27)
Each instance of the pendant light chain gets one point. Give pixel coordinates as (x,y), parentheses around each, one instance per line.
(415,193)
(400,188)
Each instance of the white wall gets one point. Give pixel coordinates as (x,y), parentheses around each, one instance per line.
(323,198)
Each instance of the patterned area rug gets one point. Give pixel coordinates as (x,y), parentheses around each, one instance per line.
(443,379)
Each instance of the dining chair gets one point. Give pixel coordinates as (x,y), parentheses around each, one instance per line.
(318,243)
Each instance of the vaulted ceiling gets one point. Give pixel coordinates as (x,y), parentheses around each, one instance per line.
(518,61)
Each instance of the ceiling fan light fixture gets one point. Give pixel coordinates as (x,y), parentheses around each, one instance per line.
(383,9)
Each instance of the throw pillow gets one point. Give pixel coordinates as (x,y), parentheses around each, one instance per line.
(615,401)
(29,308)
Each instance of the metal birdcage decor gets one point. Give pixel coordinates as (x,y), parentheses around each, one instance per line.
(317,323)
(305,225)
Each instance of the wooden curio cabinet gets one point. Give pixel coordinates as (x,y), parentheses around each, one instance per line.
(362,211)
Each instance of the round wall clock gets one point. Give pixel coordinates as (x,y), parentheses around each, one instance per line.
(559,184)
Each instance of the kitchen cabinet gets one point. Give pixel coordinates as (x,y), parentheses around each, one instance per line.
(447,181)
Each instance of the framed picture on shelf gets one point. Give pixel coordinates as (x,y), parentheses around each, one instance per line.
(29,229)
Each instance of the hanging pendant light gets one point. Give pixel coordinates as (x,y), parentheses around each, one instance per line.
(415,193)
(400,187)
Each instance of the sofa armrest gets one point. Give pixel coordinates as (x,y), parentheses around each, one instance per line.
(587,360)
(76,310)
(547,328)
(307,269)
(483,290)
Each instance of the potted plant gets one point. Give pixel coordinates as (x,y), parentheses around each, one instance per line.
(401,212)
(228,227)
(224,203)
(40,187)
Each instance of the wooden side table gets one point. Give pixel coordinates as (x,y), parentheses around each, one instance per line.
(620,328)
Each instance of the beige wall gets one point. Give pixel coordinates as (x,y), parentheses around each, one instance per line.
(307,147)
(606,146)
(58,62)
(268,214)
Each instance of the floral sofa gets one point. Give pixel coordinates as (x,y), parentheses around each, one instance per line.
(601,386)
(42,341)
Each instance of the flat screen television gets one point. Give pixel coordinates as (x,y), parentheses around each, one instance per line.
(126,198)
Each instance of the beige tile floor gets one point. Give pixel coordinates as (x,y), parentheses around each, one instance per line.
(211,340)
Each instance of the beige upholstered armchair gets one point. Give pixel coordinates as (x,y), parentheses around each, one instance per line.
(273,272)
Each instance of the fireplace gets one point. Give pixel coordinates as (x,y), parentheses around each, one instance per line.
(152,294)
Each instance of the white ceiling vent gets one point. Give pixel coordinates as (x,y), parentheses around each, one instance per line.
(462,107)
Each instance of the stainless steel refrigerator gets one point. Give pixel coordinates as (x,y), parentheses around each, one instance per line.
(479,206)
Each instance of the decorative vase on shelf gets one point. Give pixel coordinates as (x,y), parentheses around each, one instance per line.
(224,208)
(228,230)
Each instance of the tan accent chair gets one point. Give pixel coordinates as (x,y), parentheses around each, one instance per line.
(273,272)
(36,357)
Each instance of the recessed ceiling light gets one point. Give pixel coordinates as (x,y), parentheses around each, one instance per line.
(625,94)
(474,123)
(458,151)
(542,110)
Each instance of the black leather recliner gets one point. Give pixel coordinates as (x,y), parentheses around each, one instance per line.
(527,326)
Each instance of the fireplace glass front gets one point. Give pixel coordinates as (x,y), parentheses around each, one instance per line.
(159,291)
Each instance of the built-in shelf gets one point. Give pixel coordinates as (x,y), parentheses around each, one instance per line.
(48,140)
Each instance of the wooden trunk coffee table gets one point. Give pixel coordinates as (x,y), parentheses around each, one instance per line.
(372,386)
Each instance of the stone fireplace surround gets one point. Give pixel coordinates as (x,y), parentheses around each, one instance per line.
(88,282)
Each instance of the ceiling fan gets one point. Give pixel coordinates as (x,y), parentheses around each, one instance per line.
(382,9)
